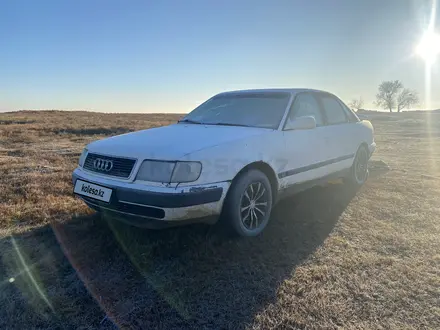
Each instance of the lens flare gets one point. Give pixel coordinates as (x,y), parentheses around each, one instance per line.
(33,280)
(429,47)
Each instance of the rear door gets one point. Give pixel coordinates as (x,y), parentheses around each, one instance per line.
(340,133)
(306,152)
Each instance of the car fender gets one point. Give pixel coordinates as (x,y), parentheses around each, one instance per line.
(223,162)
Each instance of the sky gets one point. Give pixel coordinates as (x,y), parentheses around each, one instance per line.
(170,56)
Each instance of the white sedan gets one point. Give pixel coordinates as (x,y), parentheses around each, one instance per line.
(235,155)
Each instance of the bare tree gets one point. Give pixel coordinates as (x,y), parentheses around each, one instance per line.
(406,98)
(388,90)
(356,103)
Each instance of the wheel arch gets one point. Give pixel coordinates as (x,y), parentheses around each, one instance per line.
(365,145)
(267,170)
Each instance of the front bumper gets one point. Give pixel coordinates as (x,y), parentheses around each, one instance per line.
(156,206)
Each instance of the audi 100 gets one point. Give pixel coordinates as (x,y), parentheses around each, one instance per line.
(232,158)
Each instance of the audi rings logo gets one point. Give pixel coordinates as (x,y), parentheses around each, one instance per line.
(103,164)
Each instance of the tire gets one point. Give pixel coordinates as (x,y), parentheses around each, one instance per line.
(359,170)
(248,204)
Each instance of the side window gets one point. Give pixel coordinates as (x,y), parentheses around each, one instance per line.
(333,110)
(306,105)
(352,117)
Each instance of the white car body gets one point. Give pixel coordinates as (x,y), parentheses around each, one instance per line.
(292,159)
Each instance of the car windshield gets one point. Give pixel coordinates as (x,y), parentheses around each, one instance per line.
(241,109)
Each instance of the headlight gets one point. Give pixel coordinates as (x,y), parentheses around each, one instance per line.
(82,158)
(186,172)
(156,171)
(163,171)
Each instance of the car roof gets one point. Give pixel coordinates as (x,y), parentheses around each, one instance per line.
(274,90)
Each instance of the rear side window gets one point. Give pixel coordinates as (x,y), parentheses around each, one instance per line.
(333,110)
(305,104)
(352,117)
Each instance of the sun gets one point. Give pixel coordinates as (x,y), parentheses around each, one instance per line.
(429,47)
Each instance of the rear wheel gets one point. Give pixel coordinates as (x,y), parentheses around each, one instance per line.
(249,203)
(359,170)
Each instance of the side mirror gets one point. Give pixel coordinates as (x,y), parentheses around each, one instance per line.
(305,122)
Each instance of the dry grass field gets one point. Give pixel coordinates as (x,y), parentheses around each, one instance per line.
(330,258)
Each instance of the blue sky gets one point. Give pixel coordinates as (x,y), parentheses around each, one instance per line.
(169,56)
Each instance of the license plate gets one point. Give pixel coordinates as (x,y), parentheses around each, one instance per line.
(92,190)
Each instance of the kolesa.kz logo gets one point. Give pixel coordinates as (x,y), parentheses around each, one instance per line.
(87,189)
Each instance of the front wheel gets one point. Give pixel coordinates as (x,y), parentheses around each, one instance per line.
(359,170)
(249,203)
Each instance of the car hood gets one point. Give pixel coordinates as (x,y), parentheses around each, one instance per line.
(171,142)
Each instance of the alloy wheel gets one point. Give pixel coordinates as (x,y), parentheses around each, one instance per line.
(253,205)
(361,166)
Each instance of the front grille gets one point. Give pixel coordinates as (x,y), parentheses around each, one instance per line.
(121,168)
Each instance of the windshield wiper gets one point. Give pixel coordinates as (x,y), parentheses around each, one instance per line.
(228,124)
(190,121)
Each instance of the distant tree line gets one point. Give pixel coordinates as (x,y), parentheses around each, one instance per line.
(391,95)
